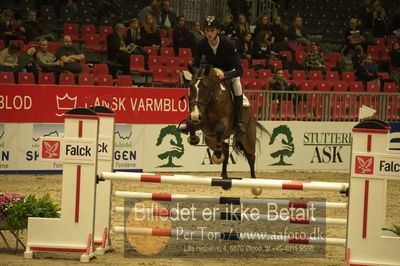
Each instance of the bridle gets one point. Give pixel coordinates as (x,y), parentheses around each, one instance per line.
(200,103)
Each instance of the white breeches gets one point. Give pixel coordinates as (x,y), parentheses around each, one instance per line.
(237,86)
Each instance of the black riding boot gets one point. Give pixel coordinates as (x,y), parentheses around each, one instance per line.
(240,125)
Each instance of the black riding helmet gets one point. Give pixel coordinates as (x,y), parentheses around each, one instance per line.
(211,22)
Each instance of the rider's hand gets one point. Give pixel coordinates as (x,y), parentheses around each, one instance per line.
(220,75)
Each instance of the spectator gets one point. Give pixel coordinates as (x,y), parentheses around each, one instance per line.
(395,26)
(46,61)
(367,15)
(227,27)
(296,32)
(198,34)
(380,28)
(262,46)
(117,49)
(181,36)
(280,36)
(149,32)
(153,9)
(345,62)
(8,26)
(358,56)
(353,35)
(278,83)
(395,63)
(238,7)
(32,30)
(368,70)
(133,33)
(263,25)
(168,17)
(27,63)
(9,57)
(242,26)
(245,45)
(314,60)
(70,56)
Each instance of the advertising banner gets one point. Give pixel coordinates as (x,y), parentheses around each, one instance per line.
(293,145)
(46,104)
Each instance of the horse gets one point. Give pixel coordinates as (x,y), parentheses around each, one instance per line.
(211,111)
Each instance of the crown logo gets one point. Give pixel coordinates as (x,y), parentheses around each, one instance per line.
(66,103)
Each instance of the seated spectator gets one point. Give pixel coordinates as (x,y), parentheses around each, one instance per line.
(27,63)
(9,57)
(296,32)
(181,36)
(238,7)
(245,45)
(395,25)
(32,30)
(263,25)
(395,63)
(168,16)
(279,35)
(198,34)
(117,50)
(358,56)
(345,62)
(242,26)
(314,59)
(380,27)
(353,35)
(47,62)
(153,9)
(150,34)
(262,46)
(368,70)
(278,83)
(133,33)
(70,56)
(8,26)
(227,27)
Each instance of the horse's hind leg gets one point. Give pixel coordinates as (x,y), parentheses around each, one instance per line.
(224,173)
(218,156)
(251,159)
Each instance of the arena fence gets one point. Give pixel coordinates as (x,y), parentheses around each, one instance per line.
(322,106)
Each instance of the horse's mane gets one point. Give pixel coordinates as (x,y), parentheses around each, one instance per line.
(206,71)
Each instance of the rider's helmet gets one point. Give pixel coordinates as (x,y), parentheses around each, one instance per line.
(212,22)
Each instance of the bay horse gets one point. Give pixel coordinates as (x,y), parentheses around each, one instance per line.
(211,110)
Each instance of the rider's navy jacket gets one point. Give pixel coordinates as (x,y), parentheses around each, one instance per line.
(227,57)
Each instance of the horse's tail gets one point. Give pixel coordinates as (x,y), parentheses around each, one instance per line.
(238,147)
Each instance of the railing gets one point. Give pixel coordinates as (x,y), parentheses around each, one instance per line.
(197,10)
(322,106)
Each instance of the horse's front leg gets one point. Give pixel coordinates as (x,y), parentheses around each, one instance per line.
(193,139)
(218,156)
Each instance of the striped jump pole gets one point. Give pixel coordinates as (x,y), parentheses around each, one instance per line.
(229,200)
(218,182)
(179,233)
(230,216)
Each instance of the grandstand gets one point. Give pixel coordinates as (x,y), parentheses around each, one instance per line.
(330,94)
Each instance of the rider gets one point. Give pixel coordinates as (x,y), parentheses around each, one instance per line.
(220,52)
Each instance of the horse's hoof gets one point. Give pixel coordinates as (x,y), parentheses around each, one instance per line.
(193,140)
(217,160)
(256,191)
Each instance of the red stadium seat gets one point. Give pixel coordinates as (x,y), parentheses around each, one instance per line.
(348,76)
(85,79)
(26,78)
(299,75)
(150,50)
(104,31)
(124,81)
(104,80)
(315,75)
(88,29)
(7,78)
(332,75)
(67,79)
(73,31)
(100,69)
(46,78)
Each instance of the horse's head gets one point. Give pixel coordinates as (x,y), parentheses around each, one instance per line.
(201,92)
